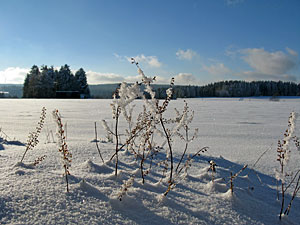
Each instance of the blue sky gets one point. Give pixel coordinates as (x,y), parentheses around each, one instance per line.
(195,41)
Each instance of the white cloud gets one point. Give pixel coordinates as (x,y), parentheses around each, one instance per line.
(100,78)
(254,76)
(151,61)
(185,55)
(232,51)
(162,80)
(292,52)
(233,2)
(217,69)
(108,78)
(132,79)
(13,75)
(186,79)
(275,63)
(120,58)
(158,79)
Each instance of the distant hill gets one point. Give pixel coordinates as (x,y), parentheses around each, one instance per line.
(107,90)
(14,90)
(97,91)
(102,90)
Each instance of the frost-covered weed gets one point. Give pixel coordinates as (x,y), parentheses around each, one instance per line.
(283,157)
(33,138)
(143,132)
(212,168)
(63,148)
(39,160)
(184,120)
(109,133)
(125,187)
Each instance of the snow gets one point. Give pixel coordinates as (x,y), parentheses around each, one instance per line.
(236,132)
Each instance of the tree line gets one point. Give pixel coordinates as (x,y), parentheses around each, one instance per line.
(235,89)
(218,89)
(47,82)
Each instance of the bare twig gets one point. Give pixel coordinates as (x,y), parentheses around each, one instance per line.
(96,140)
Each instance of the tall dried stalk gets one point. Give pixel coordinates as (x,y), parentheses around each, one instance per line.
(296,189)
(63,147)
(233,176)
(283,156)
(96,140)
(185,166)
(33,138)
(117,138)
(167,134)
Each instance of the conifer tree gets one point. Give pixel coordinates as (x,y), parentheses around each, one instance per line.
(31,83)
(80,77)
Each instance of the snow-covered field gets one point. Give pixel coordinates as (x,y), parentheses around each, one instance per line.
(237,132)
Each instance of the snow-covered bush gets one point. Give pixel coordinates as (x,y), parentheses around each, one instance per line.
(150,123)
(283,157)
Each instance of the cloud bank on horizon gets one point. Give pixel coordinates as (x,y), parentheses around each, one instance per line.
(264,65)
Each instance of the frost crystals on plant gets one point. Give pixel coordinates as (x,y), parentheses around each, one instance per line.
(63,148)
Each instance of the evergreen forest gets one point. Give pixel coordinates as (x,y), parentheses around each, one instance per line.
(47,82)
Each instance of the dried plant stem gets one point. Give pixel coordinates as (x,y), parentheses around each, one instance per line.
(202,150)
(185,149)
(282,200)
(170,150)
(6,136)
(277,190)
(96,139)
(67,173)
(27,148)
(253,166)
(212,167)
(259,158)
(293,197)
(127,142)
(117,139)
(232,177)
(142,169)
(231,182)
(282,187)
(172,184)
(292,181)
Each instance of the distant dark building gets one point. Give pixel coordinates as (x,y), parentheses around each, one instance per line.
(4,94)
(67,94)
